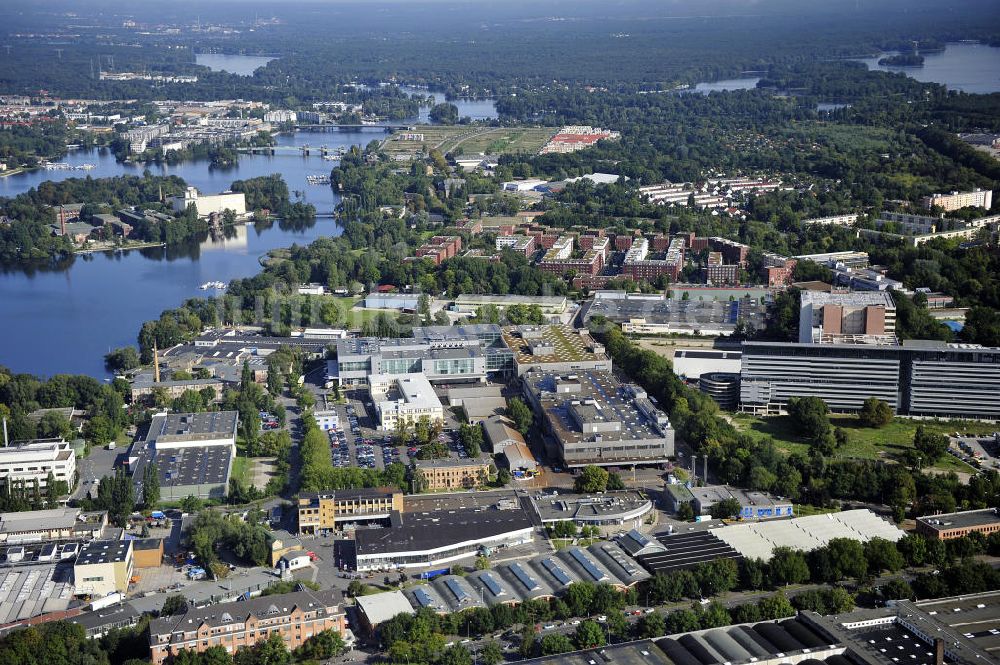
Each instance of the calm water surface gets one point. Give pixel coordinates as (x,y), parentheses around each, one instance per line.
(971,68)
(64,321)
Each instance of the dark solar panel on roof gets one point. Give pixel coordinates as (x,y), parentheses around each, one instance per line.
(588,565)
(556,571)
(490,582)
(523,577)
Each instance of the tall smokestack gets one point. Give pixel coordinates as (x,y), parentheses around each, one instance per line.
(5,432)
(704,467)
(156,364)
(938,651)
(62,220)
(694,469)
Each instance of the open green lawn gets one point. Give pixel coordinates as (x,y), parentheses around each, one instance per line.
(241,469)
(887,443)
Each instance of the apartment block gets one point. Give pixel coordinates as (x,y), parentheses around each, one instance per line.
(451,473)
(981,198)
(295,617)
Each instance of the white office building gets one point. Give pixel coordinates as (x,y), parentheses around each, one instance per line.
(404,397)
(28,461)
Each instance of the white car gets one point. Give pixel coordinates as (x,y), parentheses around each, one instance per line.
(574,622)
(602,618)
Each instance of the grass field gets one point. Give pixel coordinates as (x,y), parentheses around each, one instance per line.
(241,470)
(887,443)
(471,140)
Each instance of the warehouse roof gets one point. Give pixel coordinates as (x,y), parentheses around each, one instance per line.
(104,551)
(686,550)
(418,532)
(381,607)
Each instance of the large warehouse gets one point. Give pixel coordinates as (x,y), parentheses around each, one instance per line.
(193,453)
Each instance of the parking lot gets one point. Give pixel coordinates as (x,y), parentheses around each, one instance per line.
(982,452)
(358,442)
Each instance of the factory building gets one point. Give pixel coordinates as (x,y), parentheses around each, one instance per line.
(595,420)
(193,454)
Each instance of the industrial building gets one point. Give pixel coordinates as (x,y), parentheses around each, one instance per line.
(210,204)
(420,539)
(655,314)
(594,420)
(509,583)
(30,462)
(104,567)
(193,453)
(32,589)
(916,378)
(758,540)
(378,608)
(325,511)
(37,526)
(554,348)
(627,509)
(930,632)
(859,317)
(295,617)
(680,551)
(753,504)
(957,525)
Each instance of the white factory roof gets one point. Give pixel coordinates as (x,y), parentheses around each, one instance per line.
(381,607)
(758,540)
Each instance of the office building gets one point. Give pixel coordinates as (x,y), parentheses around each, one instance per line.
(916,378)
(753,505)
(980,198)
(450,473)
(957,525)
(843,375)
(859,317)
(554,348)
(193,453)
(594,419)
(295,617)
(103,567)
(453,354)
(210,204)
(325,511)
(405,398)
(27,462)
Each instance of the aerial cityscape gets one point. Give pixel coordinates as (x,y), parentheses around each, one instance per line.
(454,332)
